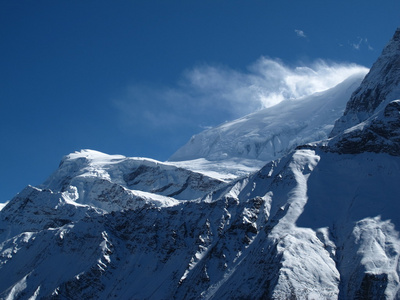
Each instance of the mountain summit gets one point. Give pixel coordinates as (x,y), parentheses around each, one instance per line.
(379,87)
(371,121)
(318,222)
(273,132)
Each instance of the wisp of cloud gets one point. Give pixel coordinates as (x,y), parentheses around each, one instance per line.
(300,33)
(208,95)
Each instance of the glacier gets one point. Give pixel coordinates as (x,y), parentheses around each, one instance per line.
(265,207)
(273,132)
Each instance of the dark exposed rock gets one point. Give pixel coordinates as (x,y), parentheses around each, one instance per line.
(372,287)
(380,134)
(379,87)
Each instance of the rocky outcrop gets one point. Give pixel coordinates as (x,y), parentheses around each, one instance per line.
(380,133)
(379,87)
(319,223)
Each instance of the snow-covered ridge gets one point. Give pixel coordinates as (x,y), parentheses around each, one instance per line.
(2,205)
(90,183)
(371,121)
(321,222)
(273,132)
(304,225)
(379,87)
(89,168)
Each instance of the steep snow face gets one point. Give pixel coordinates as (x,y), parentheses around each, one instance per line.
(226,169)
(319,223)
(332,224)
(273,132)
(2,205)
(89,183)
(96,175)
(378,89)
(360,211)
(306,226)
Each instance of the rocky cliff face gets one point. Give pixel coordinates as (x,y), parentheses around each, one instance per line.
(372,116)
(378,89)
(319,223)
(379,133)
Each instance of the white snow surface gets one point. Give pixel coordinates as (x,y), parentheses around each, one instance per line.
(2,205)
(93,178)
(313,224)
(321,222)
(272,132)
(225,169)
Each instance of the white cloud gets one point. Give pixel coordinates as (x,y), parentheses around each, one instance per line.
(368,45)
(361,42)
(300,33)
(207,95)
(357,44)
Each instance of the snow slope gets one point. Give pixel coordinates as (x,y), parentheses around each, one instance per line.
(306,226)
(321,222)
(90,171)
(90,183)
(273,132)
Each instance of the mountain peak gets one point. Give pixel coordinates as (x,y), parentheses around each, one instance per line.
(272,132)
(313,224)
(371,121)
(379,87)
(396,35)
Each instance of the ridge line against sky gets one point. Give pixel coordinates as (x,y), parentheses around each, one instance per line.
(67,69)
(212,95)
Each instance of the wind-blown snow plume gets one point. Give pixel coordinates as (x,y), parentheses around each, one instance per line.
(276,81)
(205,93)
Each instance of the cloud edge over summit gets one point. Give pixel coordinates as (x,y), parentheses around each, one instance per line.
(207,95)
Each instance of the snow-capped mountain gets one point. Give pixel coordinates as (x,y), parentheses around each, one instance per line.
(270,133)
(380,86)
(320,222)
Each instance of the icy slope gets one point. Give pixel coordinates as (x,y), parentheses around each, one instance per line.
(90,171)
(89,183)
(307,226)
(273,132)
(333,227)
(321,222)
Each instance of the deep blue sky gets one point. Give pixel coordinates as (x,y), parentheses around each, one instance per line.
(89,74)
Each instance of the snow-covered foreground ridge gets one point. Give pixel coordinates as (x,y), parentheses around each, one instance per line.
(307,225)
(320,222)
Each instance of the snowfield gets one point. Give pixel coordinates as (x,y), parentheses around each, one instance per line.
(273,132)
(280,204)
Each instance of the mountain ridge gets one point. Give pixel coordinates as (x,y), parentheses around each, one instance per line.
(273,132)
(374,93)
(320,222)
